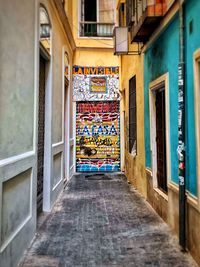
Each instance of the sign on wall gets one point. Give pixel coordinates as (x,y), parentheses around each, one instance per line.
(98,84)
(95,83)
(97,136)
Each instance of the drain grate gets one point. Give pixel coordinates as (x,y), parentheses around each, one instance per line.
(97,177)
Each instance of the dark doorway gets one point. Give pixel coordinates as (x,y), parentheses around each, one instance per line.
(41,129)
(161,139)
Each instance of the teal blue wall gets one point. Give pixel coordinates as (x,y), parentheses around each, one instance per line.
(163,57)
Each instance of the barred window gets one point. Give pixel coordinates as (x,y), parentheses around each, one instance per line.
(132,116)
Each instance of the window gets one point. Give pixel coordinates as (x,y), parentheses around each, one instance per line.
(45,29)
(132,116)
(97,18)
(121,15)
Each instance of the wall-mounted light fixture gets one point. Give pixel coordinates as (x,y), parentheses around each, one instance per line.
(121,42)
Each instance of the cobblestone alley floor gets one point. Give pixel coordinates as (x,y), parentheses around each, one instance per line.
(103,223)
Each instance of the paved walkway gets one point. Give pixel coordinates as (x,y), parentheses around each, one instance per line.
(101,222)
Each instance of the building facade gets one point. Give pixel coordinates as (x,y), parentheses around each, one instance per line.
(162,115)
(40,114)
(36,54)
(132,112)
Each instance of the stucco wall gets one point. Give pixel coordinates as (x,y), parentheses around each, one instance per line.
(134,166)
(17,95)
(165,55)
(95,57)
(17,129)
(19,81)
(56,135)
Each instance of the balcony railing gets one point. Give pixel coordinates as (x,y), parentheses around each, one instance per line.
(96,29)
(154,8)
(143,17)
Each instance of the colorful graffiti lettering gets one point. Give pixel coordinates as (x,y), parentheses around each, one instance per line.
(97,136)
(95,140)
(95,84)
(99,107)
(97,130)
(95,70)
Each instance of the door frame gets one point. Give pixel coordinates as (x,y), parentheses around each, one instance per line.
(42,56)
(153,86)
(46,206)
(66,130)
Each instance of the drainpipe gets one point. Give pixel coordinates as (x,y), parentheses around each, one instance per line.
(181,128)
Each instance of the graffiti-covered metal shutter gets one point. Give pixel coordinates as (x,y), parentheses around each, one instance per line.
(96,93)
(97,136)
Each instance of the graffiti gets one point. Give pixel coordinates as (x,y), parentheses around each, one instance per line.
(97,130)
(95,70)
(100,107)
(97,136)
(98,165)
(98,84)
(95,83)
(88,151)
(95,140)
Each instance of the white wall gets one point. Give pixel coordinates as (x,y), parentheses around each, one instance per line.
(19,72)
(55,95)
(17,129)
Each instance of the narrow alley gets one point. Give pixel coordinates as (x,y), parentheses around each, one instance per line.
(99,133)
(101,221)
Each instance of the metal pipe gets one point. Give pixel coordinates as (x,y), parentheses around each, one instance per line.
(181,128)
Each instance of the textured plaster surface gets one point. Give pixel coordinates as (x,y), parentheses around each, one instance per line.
(134,165)
(16,77)
(103,222)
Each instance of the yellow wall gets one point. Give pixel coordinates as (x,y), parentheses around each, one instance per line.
(69,11)
(134,166)
(95,57)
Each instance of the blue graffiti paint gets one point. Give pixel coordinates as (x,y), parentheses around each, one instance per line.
(97,130)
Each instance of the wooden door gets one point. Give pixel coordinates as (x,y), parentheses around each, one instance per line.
(161,140)
(41,125)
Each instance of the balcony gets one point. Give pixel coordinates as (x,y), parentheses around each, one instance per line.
(144,17)
(96,29)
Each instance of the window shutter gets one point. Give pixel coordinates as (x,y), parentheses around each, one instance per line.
(106,11)
(130,12)
(132,116)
